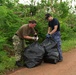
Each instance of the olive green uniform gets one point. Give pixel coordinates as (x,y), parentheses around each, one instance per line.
(18,39)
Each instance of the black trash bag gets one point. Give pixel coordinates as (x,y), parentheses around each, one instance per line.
(33,55)
(51,51)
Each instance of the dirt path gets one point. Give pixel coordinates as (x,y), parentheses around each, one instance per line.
(66,67)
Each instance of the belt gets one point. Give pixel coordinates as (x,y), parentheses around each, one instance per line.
(18,36)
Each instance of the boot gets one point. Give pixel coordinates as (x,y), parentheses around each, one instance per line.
(19,64)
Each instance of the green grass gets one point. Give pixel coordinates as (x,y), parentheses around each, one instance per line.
(6,62)
(68,44)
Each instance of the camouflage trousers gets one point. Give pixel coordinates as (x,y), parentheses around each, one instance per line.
(18,47)
(57,38)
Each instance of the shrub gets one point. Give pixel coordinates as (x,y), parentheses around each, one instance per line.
(74,28)
(3,12)
(6,62)
(66,32)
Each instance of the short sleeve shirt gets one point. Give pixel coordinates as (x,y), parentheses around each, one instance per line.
(25,30)
(53,23)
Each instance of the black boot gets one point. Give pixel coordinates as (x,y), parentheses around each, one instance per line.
(19,63)
(61,59)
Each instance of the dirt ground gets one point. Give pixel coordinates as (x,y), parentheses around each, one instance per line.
(66,67)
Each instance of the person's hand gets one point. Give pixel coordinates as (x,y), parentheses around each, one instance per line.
(48,35)
(35,38)
(35,35)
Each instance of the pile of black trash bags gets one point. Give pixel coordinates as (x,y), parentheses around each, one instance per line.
(36,53)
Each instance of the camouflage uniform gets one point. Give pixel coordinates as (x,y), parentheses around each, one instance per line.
(18,40)
(57,38)
(18,46)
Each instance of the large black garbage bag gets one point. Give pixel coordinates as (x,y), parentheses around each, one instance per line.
(51,51)
(33,55)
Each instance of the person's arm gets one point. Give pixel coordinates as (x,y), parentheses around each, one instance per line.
(25,36)
(54,30)
(49,30)
(29,37)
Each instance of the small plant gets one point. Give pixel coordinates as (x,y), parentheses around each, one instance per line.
(6,62)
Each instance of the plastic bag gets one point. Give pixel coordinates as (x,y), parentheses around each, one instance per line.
(33,55)
(51,51)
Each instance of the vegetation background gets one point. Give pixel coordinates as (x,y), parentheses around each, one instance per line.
(13,15)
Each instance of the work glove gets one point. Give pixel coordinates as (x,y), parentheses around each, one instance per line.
(48,35)
(35,35)
(35,38)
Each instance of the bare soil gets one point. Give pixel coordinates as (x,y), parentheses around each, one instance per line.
(66,67)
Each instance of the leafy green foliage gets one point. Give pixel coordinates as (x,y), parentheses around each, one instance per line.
(61,9)
(67,45)
(66,31)
(41,25)
(74,28)
(33,10)
(2,41)
(3,12)
(2,2)
(71,20)
(9,23)
(6,62)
